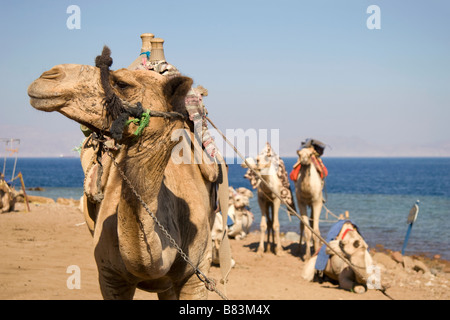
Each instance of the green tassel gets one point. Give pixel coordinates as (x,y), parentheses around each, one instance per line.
(142,122)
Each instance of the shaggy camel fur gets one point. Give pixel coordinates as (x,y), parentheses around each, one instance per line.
(308,189)
(130,250)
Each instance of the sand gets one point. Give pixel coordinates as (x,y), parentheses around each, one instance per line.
(39,247)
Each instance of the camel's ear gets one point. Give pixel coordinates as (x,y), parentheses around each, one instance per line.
(175,91)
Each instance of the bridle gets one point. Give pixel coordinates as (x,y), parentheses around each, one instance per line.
(341,246)
(119,110)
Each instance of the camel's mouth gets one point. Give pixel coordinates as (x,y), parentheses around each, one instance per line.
(48,104)
(241,206)
(305,159)
(44,100)
(305,162)
(45,93)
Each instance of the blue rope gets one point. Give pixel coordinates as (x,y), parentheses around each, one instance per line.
(146,53)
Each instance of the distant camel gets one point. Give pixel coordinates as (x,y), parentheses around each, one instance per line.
(344,238)
(7,197)
(239,213)
(308,189)
(272,169)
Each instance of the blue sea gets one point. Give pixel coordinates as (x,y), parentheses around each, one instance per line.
(378,193)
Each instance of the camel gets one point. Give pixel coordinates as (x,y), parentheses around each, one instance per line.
(131,251)
(308,189)
(351,245)
(240,215)
(271,168)
(7,196)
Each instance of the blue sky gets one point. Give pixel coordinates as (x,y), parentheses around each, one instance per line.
(307,68)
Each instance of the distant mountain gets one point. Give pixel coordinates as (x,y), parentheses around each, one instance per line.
(358,147)
(55,142)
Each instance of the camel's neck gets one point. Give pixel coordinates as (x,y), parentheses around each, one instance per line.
(144,167)
(306,169)
(272,180)
(309,181)
(309,172)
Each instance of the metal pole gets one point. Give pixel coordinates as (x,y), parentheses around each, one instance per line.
(406,238)
(4,161)
(411,219)
(14,151)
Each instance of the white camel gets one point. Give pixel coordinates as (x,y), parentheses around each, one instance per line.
(272,170)
(308,189)
(239,213)
(240,216)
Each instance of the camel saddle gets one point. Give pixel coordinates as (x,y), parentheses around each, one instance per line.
(318,164)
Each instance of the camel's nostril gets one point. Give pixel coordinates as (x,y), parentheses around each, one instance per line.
(53,74)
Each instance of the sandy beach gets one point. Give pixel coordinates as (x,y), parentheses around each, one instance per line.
(38,248)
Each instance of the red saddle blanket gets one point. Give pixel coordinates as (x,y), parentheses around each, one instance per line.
(320,167)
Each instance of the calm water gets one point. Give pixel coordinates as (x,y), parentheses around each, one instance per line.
(378,193)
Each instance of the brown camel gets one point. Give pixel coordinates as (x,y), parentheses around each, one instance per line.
(7,197)
(131,251)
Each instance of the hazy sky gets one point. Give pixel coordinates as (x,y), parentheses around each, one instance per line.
(307,68)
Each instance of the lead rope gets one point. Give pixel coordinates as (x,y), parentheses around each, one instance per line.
(210,284)
(352,266)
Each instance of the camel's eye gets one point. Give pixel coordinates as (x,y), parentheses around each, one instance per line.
(121,85)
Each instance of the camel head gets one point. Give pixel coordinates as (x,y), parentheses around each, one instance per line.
(79,92)
(241,197)
(240,201)
(355,249)
(265,158)
(305,155)
(263,161)
(266,162)
(245,192)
